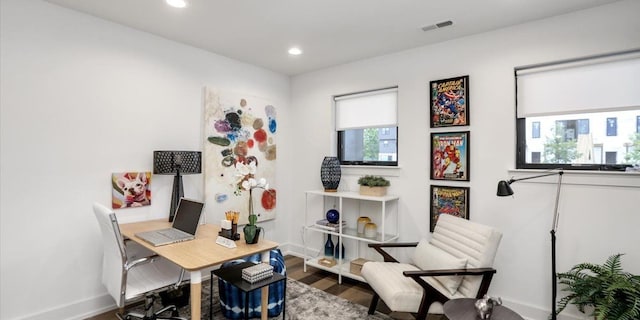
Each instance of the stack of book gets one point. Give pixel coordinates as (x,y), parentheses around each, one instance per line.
(326,225)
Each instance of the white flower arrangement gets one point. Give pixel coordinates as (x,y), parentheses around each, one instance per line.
(246,181)
(252,183)
(245,177)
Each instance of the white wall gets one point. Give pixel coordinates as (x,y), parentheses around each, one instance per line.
(596,220)
(82,98)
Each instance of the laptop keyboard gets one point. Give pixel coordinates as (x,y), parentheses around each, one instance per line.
(172,233)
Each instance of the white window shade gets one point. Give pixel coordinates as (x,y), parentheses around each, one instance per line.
(367,110)
(612,83)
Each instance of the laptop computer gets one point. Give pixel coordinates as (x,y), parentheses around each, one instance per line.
(185,225)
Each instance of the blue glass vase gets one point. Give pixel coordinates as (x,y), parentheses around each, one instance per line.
(328,247)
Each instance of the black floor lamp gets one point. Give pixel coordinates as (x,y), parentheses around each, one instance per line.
(178,163)
(504,189)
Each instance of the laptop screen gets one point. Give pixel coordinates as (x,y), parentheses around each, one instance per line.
(188,215)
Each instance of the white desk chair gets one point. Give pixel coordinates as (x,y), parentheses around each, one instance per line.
(456,263)
(129,276)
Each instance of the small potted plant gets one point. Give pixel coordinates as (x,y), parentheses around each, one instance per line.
(612,292)
(373,185)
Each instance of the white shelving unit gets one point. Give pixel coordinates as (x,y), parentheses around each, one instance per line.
(341,200)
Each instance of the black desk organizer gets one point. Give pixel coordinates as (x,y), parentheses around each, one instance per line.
(227,233)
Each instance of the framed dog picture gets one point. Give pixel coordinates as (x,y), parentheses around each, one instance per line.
(450,156)
(450,102)
(130,189)
(448,200)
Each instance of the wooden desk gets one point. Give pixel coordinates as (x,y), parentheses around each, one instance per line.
(200,253)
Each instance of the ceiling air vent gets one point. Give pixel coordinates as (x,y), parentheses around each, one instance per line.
(437,25)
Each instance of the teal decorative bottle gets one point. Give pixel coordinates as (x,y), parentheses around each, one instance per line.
(328,247)
(339,250)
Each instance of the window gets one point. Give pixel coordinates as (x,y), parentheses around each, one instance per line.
(535,157)
(558,102)
(535,130)
(583,126)
(610,157)
(612,127)
(366,124)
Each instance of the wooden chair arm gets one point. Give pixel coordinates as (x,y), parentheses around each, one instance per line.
(387,257)
(449,272)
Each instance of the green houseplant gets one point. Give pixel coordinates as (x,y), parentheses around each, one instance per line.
(373,185)
(612,292)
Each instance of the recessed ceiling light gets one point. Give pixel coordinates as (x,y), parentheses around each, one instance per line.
(295,51)
(177,3)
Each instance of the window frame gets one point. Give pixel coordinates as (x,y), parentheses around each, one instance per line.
(340,148)
(521,128)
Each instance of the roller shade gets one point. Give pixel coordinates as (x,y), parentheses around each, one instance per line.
(367,110)
(611,83)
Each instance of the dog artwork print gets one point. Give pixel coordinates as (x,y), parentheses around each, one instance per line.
(131,189)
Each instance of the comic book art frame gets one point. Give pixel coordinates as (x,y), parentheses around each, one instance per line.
(449,102)
(448,200)
(450,156)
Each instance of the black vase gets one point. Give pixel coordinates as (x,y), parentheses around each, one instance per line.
(330,174)
(337,250)
(328,247)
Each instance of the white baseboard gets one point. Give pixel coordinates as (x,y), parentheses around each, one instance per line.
(76,311)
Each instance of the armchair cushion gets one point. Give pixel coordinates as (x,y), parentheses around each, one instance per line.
(429,257)
(401,293)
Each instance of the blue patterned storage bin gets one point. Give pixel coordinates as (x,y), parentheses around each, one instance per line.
(232,299)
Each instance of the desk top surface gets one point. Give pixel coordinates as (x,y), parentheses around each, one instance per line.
(465,309)
(200,253)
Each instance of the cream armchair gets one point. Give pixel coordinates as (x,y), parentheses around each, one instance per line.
(455,263)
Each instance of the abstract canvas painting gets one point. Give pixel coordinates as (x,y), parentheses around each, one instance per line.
(240,144)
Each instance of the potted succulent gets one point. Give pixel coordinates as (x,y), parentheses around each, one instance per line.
(612,292)
(373,185)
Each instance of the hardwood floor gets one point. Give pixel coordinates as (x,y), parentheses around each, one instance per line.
(352,290)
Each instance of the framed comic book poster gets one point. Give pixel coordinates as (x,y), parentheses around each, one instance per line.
(450,102)
(450,156)
(448,200)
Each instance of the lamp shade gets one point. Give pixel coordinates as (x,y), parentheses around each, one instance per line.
(172,162)
(504,189)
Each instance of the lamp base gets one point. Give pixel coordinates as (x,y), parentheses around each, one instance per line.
(178,192)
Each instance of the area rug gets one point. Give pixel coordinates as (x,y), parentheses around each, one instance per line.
(303,303)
